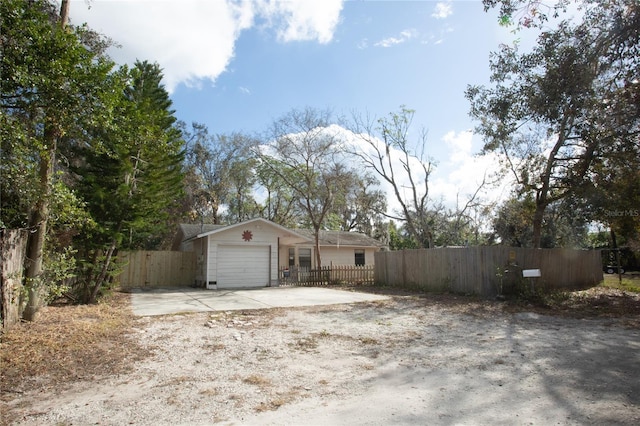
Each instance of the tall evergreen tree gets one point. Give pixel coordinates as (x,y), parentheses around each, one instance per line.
(130,177)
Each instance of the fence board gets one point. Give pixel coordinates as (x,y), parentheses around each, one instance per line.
(156,269)
(474,270)
(13,246)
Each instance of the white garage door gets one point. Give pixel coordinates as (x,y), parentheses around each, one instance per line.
(243,266)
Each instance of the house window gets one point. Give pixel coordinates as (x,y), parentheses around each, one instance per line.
(359,257)
(304,258)
(292,256)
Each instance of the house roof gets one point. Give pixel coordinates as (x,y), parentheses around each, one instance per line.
(341,238)
(218,228)
(327,238)
(187,231)
(191,230)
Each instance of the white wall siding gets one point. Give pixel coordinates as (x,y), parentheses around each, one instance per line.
(200,249)
(345,255)
(261,235)
(330,255)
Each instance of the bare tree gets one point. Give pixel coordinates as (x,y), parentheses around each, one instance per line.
(219,172)
(405,166)
(304,153)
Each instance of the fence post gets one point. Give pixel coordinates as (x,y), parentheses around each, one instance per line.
(13,249)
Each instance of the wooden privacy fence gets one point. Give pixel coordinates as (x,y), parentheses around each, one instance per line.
(13,247)
(487,271)
(327,275)
(154,269)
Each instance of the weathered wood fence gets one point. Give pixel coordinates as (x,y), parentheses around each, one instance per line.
(155,269)
(483,271)
(487,271)
(13,247)
(326,275)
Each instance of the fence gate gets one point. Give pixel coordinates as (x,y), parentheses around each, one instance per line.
(157,269)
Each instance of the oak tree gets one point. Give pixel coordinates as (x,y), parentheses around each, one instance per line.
(553,113)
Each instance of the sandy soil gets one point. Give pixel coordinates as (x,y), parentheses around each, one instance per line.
(404,361)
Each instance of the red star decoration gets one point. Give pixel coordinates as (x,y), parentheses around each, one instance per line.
(247,235)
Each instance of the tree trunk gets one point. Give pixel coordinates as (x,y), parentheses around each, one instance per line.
(103,273)
(64,13)
(317,244)
(614,243)
(38,224)
(537,225)
(40,217)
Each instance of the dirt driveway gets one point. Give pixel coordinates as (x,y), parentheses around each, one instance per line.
(408,360)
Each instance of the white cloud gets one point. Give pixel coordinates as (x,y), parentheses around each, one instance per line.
(363,44)
(404,36)
(194,40)
(459,145)
(302,20)
(442,10)
(464,171)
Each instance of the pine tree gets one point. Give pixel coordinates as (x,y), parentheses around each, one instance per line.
(130,177)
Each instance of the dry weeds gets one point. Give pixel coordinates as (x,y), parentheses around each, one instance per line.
(68,343)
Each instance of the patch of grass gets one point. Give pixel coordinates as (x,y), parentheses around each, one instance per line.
(257,380)
(629,282)
(277,401)
(305,344)
(237,399)
(173,400)
(174,381)
(209,392)
(213,346)
(324,334)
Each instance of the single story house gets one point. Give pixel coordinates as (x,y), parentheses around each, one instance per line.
(251,253)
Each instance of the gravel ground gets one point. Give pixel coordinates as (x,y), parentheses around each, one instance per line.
(404,361)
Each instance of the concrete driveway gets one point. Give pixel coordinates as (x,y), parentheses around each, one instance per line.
(182,300)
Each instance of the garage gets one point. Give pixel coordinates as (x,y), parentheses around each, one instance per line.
(243,255)
(242,266)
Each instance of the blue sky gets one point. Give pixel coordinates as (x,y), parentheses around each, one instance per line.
(382,55)
(237,66)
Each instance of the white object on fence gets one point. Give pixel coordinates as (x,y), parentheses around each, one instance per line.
(531,273)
